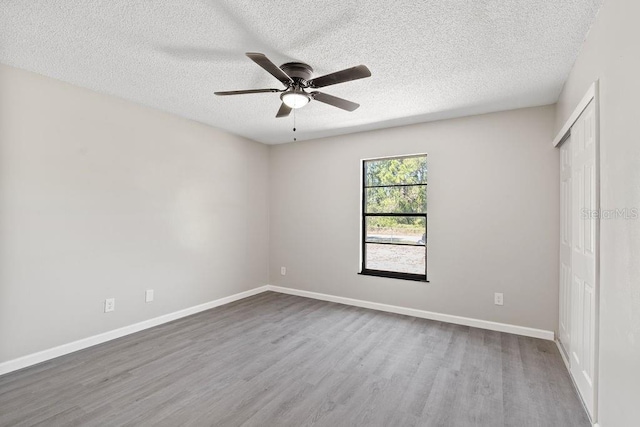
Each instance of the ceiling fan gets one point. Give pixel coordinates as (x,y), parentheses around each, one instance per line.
(296,77)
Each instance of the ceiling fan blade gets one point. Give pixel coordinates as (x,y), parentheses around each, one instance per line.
(270,67)
(243,92)
(353,73)
(284,110)
(335,101)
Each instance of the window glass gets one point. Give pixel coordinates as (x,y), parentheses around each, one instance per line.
(394,217)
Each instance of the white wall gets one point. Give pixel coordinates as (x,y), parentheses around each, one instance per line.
(102,198)
(611,55)
(493,216)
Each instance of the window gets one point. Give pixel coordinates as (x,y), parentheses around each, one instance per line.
(394,217)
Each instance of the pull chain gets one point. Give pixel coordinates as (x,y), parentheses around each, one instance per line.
(294,123)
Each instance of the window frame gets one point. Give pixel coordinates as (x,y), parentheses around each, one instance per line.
(363,218)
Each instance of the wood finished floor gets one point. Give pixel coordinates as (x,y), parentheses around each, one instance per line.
(281,360)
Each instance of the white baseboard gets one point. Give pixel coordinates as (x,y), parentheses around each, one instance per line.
(573,382)
(448,318)
(42,356)
(563,355)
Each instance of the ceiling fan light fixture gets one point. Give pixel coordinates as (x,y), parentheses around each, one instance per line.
(295,98)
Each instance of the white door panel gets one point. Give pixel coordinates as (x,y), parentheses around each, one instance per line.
(566,222)
(583,255)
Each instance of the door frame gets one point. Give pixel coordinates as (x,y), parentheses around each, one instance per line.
(592,94)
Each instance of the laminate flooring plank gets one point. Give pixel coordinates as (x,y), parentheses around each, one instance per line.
(518,405)
(479,388)
(283,360)
(439,409)
(321,400)
(358,410)
(415,395)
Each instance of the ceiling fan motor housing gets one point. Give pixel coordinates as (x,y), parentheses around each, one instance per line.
(298,71)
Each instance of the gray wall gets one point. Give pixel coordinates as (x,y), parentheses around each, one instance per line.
(611,55)
(102,198)
(493,216)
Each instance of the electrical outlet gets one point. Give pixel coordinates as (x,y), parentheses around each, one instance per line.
(498,298)
(148,295)
(109,305)
(283,271)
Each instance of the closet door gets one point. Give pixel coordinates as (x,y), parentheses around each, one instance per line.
(566,221)
(583,255)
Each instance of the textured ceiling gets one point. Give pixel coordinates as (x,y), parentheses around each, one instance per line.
(429,59)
